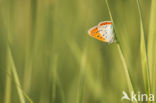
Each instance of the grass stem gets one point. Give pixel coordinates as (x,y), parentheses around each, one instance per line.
(7,98)
(21,93)
(125,68)
(21,96)
(143,52)
(127,74)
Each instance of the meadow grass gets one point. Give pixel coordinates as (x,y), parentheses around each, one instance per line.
(48,57)
(12,68)
(8,85)
(143,52)
(21,96)
(150,47)
(127,75)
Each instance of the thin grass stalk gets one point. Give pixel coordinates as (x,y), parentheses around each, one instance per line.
(21,96)
(8,90)
(151,36)
(10,61)
(81,82)
(30,47)
(7,97)
(54,76)
(125,68)
(9,55)
(143,52)
(21,93)
(61,90)
(56,81)
(151,45)
(83,65)
(33,21)
(127,74)
(154,74)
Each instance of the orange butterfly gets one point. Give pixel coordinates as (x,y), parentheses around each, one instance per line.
(103,32)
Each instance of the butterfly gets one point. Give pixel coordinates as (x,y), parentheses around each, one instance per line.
(103,31)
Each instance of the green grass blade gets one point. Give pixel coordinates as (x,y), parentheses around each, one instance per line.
(81,78)
(76,51)
(21,96)
(128,79)
(30,47)
(54,76)
(56,80)
(21,93)
(129,82)
(85,75)
(33,20)
(7,96)
(151,47)
(143,52)
(61,90)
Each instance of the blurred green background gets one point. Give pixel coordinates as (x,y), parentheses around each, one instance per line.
(53,60)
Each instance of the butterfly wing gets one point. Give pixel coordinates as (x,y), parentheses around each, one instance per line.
(94,32)
(104,23)
(106,30)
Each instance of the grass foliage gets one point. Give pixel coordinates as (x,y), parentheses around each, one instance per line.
(46,55)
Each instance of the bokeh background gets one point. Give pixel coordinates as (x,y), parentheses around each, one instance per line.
(46,55)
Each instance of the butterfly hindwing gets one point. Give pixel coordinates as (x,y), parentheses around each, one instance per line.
(106,29)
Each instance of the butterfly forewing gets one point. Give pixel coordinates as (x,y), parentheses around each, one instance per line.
(94,32)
